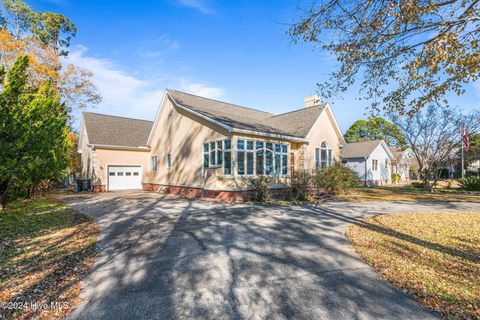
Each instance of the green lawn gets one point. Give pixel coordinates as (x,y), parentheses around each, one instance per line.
(395,193)
(46,248)
(434,256)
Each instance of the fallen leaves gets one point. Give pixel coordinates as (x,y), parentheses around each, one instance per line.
(434,256)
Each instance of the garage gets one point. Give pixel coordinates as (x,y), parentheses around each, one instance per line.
(124,177)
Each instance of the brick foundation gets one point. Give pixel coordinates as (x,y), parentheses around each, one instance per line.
(99,188)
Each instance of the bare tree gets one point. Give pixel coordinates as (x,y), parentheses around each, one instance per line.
(434,136)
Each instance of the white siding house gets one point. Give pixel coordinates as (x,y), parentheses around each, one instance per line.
(371,160)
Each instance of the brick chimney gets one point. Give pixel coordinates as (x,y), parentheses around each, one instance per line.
(311,101)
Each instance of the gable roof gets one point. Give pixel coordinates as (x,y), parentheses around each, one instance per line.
(106,130)
(296,124)
(363,149)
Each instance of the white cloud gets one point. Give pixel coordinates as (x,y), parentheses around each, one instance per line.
(201,89)
(199,5)
(126,94)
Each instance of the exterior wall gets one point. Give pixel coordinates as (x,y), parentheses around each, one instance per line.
(323,130)
(109,157)
(182,135)
(402,166)
(357,165)
(474,166)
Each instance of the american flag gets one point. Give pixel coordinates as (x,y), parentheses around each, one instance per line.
(466,141)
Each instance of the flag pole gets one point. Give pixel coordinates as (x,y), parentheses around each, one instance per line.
(463,146)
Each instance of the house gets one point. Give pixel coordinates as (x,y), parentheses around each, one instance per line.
(371,160)
(113,151)
(401,163)
(474,165)
(204,147)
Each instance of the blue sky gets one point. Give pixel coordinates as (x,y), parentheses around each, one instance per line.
(235,51)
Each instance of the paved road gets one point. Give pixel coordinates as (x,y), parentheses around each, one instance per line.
(164,258)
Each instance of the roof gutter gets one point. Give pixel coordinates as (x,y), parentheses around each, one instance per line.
(113,147)
(234,130)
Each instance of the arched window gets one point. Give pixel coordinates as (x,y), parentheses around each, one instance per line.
(323,156)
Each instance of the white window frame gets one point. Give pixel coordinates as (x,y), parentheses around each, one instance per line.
(216,151)
(253,151)
(153,163)
(318,156)
(374,164)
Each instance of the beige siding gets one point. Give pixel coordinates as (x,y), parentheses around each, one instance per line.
(182,135)
(323,130)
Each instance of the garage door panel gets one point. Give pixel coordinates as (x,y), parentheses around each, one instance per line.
(124,177)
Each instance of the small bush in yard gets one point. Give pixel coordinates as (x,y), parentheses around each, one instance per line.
(471,183)
(336,179)
(299,185)
(395,177)
(260,188)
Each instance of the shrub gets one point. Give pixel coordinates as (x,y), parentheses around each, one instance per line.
(471,183)
(396,177)
(259,186)
(336,179)
(299,185)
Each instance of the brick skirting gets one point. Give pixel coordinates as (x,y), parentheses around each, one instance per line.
(99,188)
(191,193)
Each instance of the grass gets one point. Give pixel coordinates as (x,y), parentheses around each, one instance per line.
(46,248)
(407,194)
(434,256)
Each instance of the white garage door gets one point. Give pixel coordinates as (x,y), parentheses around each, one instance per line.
(124,177)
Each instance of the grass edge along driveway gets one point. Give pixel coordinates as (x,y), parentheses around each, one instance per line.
(46,249)
(433,256)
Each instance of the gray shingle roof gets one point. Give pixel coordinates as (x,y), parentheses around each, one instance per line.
(359,149)
(296,123)
(104,129)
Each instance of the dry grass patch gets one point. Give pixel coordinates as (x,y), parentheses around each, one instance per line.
(434,256)
(407,194)
(46,248)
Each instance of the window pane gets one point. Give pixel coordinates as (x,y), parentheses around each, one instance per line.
(128,173)
(268,162)
(241,163)
(317,157)
(169,161)
(330,161)
(111,173)
(278,147)
(277,163)
(324,145)
(219,144)
(219,157)
(250,162)
(135,173)
(205,160)
(284,164)
(269,145)
(227,144)
(259,162)
(259,145)
(249,145)
(324,158)
(120,174)
(227,168)
(205,147)
(212,157)
(212,146)
(240,144)
(154,163)
(284,148)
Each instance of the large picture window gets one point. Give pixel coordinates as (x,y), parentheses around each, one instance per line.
(218,154)
(261,158)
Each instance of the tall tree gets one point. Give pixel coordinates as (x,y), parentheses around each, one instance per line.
(33,131)
(434,135)
(376,129)
(406,54)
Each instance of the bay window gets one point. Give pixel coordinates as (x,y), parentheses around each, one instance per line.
(218,154)
(261,158)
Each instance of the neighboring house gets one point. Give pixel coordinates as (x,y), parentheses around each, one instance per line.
(113,151)
(207,147)
(401,163)
(474,165)
(371,160)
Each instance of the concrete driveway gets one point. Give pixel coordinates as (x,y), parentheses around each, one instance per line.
(165,258)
